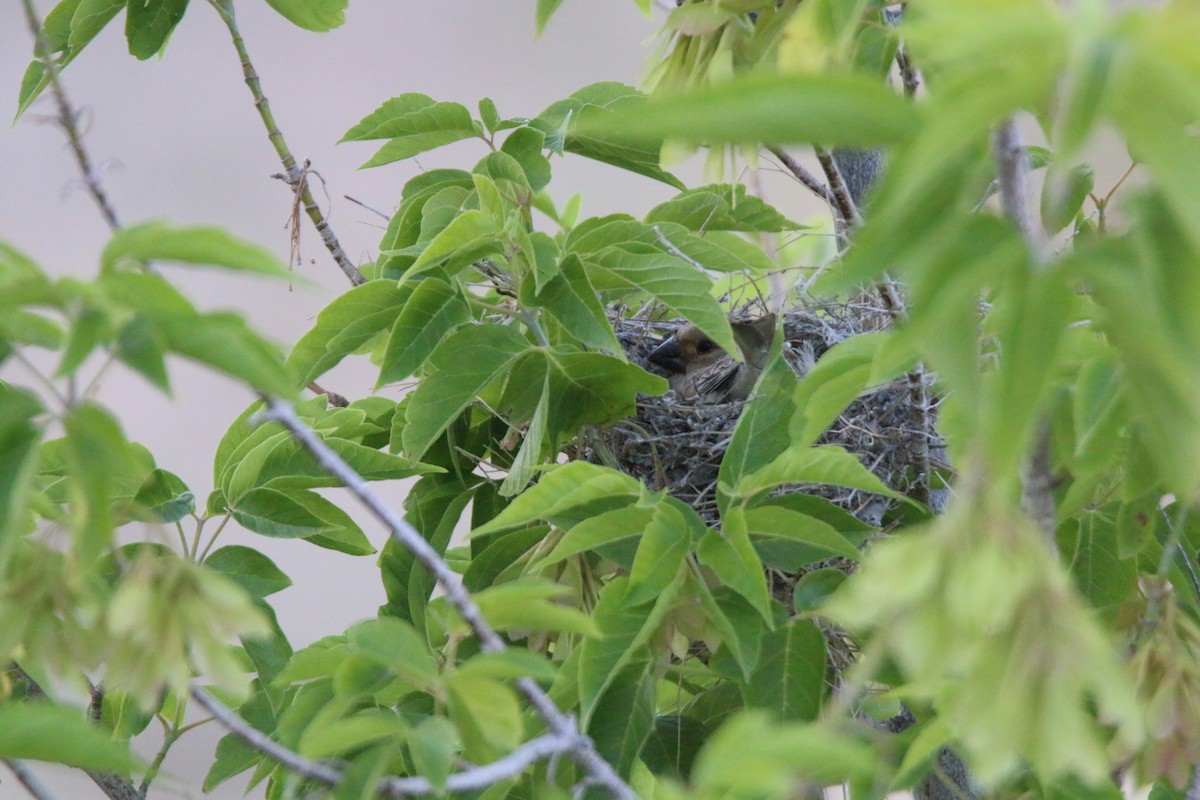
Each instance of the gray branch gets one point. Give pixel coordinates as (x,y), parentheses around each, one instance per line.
(30,781)
(1012,174)
(562,728)
(473,779)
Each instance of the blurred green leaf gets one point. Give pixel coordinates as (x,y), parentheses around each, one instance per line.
(142,347)
(1063,195)
(850,110)
(225,342)
(433,744)
(46,732)
(721,207)
(814,588)
(545,9)
(19,435)
(202,245)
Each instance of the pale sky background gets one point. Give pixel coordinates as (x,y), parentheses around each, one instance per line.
(178,138)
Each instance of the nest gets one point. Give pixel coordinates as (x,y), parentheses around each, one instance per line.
(678,446)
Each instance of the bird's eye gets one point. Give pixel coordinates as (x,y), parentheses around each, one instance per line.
(706,346)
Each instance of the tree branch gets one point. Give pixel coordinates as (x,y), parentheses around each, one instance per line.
(295,177)
(600,773)
(805,177)
(474,779)
(1012,174)
(30,781)
(68,120)
(842,201)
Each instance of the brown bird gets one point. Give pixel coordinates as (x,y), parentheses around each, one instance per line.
(701,371)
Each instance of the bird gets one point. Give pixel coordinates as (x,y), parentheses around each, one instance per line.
(700,371)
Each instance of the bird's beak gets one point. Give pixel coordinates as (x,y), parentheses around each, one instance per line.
(668,356)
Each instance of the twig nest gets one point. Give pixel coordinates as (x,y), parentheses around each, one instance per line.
(678,445)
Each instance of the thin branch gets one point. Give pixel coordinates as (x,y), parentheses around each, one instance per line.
(805,177)
(294,175)
(1012,173)
(600,773)
(30,781)
(842,201)
(473,779)
(68,120)
(314,770)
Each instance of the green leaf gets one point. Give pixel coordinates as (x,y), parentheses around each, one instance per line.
(312,15)
(520,472)
(352,733)
(814,588)
(99,460)
(825,465)
(529,604)
(672,746)
(1063,195)
(569,297)
(67,29)
(776,522)
(462,366)
(682,288)
(414,123)
(565,488)
(751,756)
(277,514)
(471,235)
(88,329)
(141,347)
(202,245)
(433,310)
(626,629)
(398,646)
(730,555)
(624,717)
(843,373)
(526,145)
(830,109)
(665,542)
(45,732)
(433,744)
(249,569)
(721,207)
(148,24)
(545,8)
(564,123)
(790,677)
(761,433)
(594,532)
(345,325)
(165,497)
(233,754)
(506,664)
(19,435)
(487,715)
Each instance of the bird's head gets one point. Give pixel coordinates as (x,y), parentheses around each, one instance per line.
(690,349)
